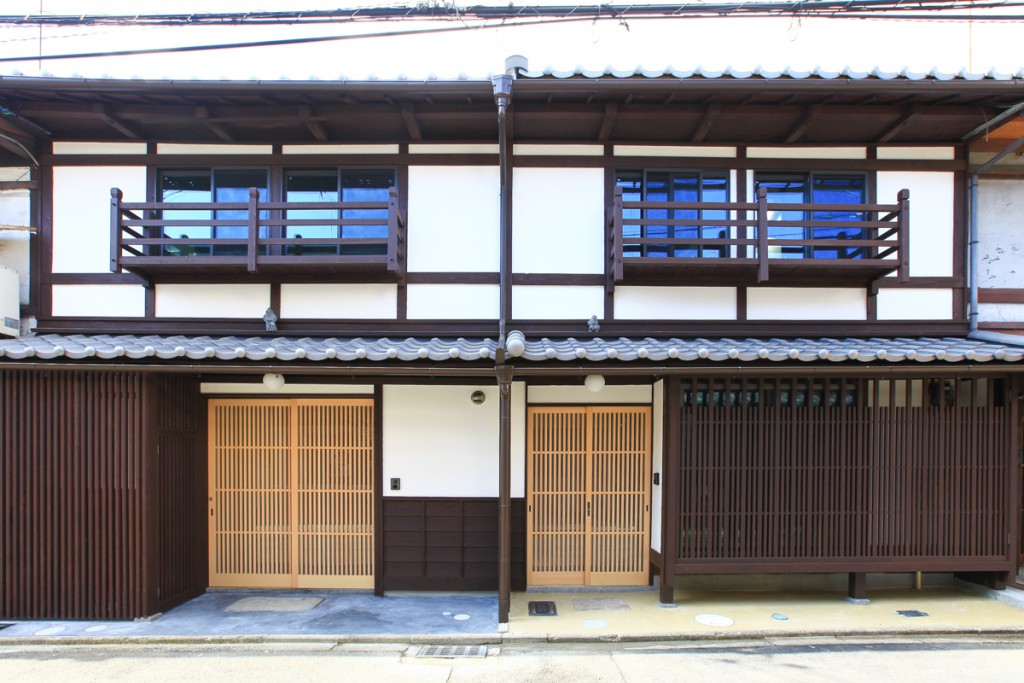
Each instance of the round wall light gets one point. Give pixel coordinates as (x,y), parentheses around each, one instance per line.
(273,381)
(594,383)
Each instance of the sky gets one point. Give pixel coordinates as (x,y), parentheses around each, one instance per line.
(478,50)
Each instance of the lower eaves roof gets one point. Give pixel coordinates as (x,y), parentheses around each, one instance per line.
(596,349)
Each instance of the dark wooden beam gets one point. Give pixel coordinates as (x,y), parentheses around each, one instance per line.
(711,112)
(203,114)
(409,116)
(19,184)
(808,119)
(315,127)
(611,112)
(900,123)
(121,127)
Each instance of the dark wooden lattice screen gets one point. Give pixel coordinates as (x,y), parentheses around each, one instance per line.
(806,474)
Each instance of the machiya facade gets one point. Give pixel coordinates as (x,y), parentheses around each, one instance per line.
(393,336)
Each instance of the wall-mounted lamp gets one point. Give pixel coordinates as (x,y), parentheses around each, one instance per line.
(477,397)
(594,383)
(273,381)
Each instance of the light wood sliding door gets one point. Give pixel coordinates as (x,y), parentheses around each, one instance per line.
(588,495)
(291,493)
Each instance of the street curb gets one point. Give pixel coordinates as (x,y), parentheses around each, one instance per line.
(511,638)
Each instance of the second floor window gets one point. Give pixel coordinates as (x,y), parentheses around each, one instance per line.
(642,227)
(832,191)
(360,186)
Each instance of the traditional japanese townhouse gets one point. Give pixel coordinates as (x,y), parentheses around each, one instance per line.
(547,329)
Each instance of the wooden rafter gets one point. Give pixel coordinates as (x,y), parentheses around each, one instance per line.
(203,114)
(802,126)
(611,112)
(711,112)
(900,123)
(315,127)
(409,116)
(120,126)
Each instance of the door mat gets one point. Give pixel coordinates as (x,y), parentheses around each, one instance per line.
(452,651)
(260,604)
(587,604)
(542,608)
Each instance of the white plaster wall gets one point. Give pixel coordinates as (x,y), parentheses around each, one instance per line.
(453,219)
(103,301)
(554,302)
(559,150)
(915,304)
(212,301)
(657,455)
(453,149)
(675,303)
(807,153)
(673,151)
(439,443)
(1001,313)
(558,220)
(81,213)
(359,301)
(106,148)
(452,302)
(931,218)
(339,149)
(10,310)
(1001,233)
(578,394)
(926,153)
(518,417)
(181,148)
(290,387)
(806,303)
(14,244)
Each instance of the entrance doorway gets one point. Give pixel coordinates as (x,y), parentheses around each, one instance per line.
(588,495)
(291,493)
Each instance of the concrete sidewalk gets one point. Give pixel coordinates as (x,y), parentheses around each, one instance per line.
(628,616)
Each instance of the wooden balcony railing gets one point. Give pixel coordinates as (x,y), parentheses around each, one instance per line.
(179,239)
(754,241)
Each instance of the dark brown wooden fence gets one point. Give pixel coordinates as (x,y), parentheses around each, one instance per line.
(807,474)
(84,506)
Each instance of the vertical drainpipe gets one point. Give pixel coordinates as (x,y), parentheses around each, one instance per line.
(502,98)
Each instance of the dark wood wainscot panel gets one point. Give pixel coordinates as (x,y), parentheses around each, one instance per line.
(449,544)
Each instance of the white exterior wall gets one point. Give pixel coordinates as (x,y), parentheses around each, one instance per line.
(14,244)
(100,301)
(579,395)
(657,463)
(81,213)
(439,443)
(558,220)
(931,218)
(212,301)
(555,302)
(915,304)
(452,302)
(1001,234)
(453,219)
(806,303)
(290,388)
(675,303)
(368,301)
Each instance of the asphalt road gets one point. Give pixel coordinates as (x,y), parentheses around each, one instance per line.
(809,659)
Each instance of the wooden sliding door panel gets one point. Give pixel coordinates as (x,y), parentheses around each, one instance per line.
(291,493)
(556,472)
(588,509)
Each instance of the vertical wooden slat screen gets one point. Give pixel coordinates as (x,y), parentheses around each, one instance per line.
(292,488)
(72,527)
(588,506)
(811,474)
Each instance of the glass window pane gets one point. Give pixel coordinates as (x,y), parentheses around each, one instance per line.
(185,187)
(835,189)
(309,187)
(366,186)
(785,189)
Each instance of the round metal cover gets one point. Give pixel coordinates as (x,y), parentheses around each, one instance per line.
(713,620)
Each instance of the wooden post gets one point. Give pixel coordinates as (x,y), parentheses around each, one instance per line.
(504,373)
(903,235)
(670,491)
(616,240)
(393,265)
(857,588)
(762,234)
(115,229)
(254,228)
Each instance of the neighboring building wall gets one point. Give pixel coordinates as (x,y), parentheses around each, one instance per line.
(103,494)
(15,209)
(1001,253)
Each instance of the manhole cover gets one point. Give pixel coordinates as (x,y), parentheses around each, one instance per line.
(911,613)
(543,608)
(587,604)
(452,651)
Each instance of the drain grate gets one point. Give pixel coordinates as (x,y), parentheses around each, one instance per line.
(452,651)
(911,613)
(543,608)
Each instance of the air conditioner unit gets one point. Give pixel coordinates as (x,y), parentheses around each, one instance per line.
(10,311)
